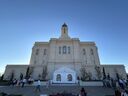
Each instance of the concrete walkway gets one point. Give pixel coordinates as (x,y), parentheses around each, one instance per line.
(30,90)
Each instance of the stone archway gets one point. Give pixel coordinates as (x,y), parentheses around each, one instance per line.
(64,75)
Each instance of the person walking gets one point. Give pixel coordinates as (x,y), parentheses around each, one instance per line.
(117,92)
(123,93)
(38,86)
(47,83)
(23,82)
(83,92)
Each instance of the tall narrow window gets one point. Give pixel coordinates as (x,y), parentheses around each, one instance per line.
(69,50)
(59,50)
(92,52)
(64,50)
(37,51)
(45,51)
(84,52)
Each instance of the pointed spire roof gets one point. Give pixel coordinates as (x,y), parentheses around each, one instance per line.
(64,25)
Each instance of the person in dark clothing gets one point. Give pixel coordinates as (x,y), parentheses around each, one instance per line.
(83,92)
(117,92)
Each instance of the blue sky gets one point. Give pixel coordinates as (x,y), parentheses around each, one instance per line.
(22,22)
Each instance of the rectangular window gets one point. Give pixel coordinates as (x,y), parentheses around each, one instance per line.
(84,52)
(92,52)
(64,50)
(59,50)
(37,51)
(69,50)
(45,51)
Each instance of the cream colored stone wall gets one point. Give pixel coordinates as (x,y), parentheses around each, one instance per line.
(16,69)
(113,69)
(88,58)
(40,58)
(76,52)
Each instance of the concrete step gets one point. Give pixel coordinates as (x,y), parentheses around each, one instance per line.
(30,90)
(64,84)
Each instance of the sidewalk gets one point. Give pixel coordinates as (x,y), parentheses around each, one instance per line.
(30,90)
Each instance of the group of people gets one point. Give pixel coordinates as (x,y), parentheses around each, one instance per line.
(122,89)
(123,83)
(119,92)
(119,85)
(29,81)
(21,82)
(109,83)
(82,93)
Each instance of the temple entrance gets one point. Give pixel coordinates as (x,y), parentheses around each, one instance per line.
(64,75)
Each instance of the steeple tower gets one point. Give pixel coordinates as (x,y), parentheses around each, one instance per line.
(64,31)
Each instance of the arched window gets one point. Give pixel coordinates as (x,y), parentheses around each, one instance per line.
(84,52)
(64,49)
(69,50)
(59,50)
(92,52)
(58,77)
(69,77)
(45,51)
(37,51)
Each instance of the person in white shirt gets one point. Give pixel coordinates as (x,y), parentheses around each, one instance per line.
(123,93)
(38,86)
(23,82)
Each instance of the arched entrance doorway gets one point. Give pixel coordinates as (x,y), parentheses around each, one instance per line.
(64,75)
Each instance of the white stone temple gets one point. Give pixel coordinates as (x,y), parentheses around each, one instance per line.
(63,60)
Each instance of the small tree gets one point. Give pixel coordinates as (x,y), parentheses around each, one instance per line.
(108,76)
(21,76)
(117,76)
(44,72)
(84,74)
(12,76)
(104,74)
(39,76)
(31,70)
(2,77)
(89,75)
(98,70)
(27,73)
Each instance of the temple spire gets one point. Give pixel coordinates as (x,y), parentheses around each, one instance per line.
(64,31)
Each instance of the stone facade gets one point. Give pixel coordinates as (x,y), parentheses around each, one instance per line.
(64,52)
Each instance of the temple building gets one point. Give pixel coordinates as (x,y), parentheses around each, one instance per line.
(64,60)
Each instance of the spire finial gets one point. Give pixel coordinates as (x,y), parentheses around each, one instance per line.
(64,25)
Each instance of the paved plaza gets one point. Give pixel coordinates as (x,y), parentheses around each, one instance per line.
(30,90)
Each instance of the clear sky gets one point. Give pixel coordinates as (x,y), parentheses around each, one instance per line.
(22,22)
